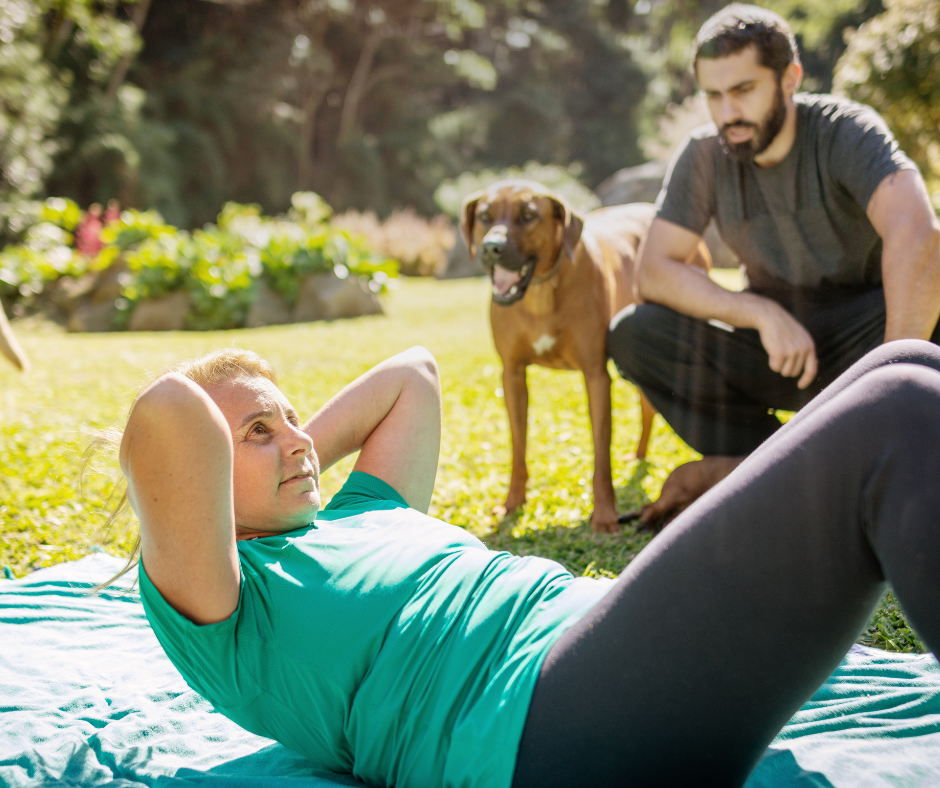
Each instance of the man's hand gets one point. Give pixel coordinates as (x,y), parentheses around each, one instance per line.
(663,278)
(789,345)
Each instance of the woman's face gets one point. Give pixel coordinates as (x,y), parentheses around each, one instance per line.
(276,474)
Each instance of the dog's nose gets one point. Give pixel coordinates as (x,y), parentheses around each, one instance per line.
(494,247)
(494,243)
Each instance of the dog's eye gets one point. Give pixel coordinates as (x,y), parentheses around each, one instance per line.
(528,215)
(484,217)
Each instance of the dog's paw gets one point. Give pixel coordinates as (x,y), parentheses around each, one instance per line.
(513,502)
(607,522)
(506,510)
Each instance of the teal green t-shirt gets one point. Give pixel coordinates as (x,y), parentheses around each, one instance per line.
(381,642)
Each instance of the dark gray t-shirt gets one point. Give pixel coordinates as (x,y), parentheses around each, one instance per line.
(799,226)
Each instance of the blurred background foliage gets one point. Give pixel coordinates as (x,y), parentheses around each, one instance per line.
(893,63)
(220,266)
(183,105)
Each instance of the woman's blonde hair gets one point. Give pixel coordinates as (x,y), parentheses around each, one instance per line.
(219,366)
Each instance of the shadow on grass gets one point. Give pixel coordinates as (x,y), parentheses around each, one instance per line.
(575,545)
(632,495)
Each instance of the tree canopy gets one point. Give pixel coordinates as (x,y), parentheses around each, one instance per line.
(182,105)
(892,64)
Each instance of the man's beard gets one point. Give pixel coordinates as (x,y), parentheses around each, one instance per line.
(764,132)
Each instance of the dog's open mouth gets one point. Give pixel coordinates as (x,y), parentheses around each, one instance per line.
(510,286)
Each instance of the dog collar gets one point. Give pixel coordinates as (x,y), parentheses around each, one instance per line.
(555,268)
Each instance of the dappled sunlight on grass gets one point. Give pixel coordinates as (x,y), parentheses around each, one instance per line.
(80,383)
(84,382)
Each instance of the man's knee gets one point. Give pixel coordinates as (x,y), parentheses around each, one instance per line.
(636,329)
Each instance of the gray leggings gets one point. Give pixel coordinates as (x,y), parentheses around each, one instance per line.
(728,622)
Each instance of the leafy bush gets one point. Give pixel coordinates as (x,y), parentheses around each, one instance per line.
(134,227)
(891,63)
(282,251)
(45,253)
(563,180)
(218,266)
(888,629)
(211,265)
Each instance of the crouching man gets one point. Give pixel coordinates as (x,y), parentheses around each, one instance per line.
(833,225)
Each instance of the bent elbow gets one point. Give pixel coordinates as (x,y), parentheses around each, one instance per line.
(422,361)
(922,238)
(644,283)
(173,407)
(932,239)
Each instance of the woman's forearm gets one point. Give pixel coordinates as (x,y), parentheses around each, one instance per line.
(393,414)
(342,425)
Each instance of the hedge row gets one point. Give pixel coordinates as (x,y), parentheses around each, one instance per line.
(220,266)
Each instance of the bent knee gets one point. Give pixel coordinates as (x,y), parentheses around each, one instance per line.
(636,327)
(903,397)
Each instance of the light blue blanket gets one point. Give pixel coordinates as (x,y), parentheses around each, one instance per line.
(88,698)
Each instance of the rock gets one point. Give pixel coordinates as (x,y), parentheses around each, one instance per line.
(161,314)
(68,294)
(459,265)
(268,309)
(642,184)
(93,317)
(110,282)
(633,184)
(327,297)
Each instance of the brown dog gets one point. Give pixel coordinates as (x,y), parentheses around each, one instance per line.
(558,280)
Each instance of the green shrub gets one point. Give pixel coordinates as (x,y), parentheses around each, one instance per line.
(45,253)
(218,266)
(282,251)
(211,265)
(135,227)
(891,63)
(888,629)
(62,212)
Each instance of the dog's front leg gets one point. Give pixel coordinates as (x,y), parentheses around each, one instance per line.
(604,519)
(516,392)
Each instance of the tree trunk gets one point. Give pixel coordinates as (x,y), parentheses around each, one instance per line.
(308,127)
(138,17)
(356,90)
(60,32)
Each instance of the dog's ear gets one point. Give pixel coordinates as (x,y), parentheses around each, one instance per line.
(571,224)
(467,212)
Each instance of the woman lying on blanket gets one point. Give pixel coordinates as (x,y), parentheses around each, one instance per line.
(381,642)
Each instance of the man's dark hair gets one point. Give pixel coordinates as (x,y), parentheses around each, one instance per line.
(738,26)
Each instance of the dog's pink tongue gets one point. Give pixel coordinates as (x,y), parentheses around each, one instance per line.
(503,280)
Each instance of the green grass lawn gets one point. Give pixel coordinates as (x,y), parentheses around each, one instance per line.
(80,383)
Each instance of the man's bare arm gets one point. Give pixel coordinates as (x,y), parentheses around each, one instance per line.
(392,416)
(901,212)
(663,278)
